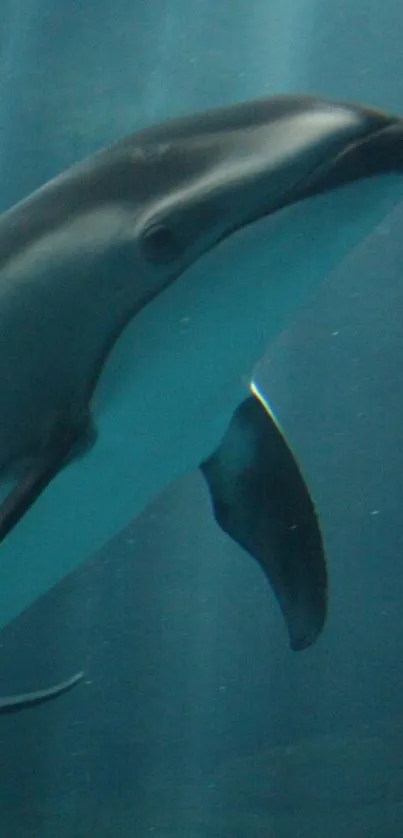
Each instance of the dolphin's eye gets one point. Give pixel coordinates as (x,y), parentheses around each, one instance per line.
(160,244)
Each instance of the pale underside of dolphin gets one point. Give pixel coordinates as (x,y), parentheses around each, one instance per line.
(137,292)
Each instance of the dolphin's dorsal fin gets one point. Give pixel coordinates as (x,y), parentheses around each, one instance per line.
(261,500)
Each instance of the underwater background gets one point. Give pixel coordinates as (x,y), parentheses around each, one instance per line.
(195,719)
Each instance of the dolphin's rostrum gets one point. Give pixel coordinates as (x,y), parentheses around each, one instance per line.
(137,292)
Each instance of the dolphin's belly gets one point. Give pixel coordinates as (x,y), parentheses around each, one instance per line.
(158,413)
(162,405)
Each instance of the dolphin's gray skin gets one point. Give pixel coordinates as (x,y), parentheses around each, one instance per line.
(15,703)
(137,292)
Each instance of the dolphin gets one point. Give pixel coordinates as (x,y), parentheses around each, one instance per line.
(138,291)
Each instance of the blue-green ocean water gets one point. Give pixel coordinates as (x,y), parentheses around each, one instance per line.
(195,720)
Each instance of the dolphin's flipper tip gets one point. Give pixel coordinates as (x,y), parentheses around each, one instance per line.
(67,439)
(16,703)
(261,500)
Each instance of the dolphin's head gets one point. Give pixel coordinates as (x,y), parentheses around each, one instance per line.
(214,173)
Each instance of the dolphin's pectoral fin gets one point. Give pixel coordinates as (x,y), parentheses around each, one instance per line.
(67,440)
(261,500)
(15,703)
